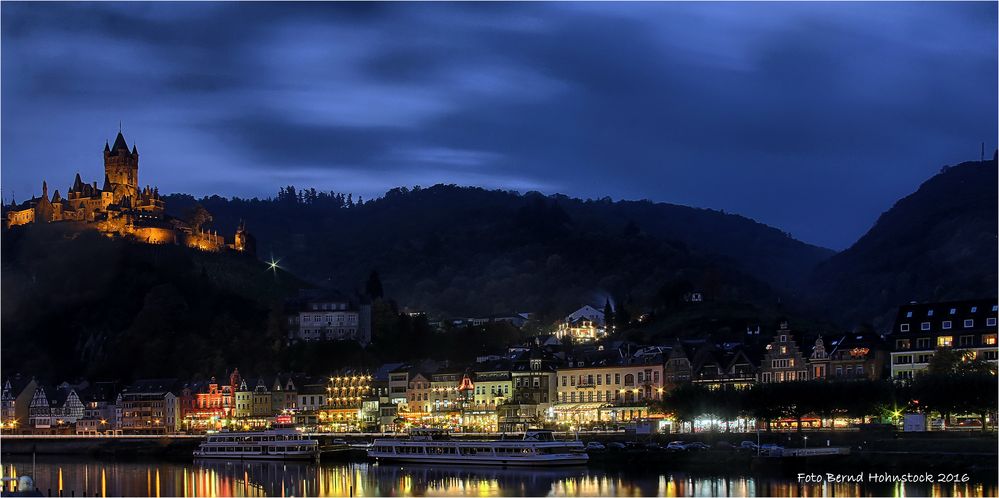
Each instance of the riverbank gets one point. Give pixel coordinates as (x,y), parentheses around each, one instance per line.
(888,452)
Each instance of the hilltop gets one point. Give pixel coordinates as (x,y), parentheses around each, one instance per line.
(937,244)
(467,250)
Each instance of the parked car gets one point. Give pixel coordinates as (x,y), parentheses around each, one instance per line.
(634,445)
(615,446)
(595,446)
(771,450)
(748,446)
(724,445)
(697,446)
(653,446)
(677,446)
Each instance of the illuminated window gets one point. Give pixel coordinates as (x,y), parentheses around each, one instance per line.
(902,344)
(989,340)
(945,341)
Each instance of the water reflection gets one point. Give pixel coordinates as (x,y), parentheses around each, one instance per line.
(273,478)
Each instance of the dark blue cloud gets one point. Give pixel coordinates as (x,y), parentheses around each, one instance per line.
(813,117)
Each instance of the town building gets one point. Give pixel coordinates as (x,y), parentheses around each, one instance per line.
(783,360)
(857,356)
(583,325)
(15,401)
(149,407)
(350,403)
(100,414)
(329,317)
(121,208)
(723,366)
(533,372)
(920,329)
(611,387)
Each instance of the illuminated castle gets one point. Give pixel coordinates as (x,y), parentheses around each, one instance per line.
(121,208)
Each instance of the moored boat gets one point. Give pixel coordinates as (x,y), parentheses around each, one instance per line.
(275,444)
(537,448)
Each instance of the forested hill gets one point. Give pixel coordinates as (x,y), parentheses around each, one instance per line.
(468,250)
(78,303)
(936,244)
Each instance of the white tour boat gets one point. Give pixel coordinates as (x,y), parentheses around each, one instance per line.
(275,444)
(538,447)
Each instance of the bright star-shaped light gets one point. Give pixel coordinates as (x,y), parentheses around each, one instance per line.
(272,265)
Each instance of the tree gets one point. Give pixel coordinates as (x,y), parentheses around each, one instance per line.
(608,313)
(374,286)
(197,216)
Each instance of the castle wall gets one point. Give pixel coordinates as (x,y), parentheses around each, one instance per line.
(152,235)
(205,241)
(22,217)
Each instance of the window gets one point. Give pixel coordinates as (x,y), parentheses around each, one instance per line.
(953,311)
(903,359)
(902,344)
(969,323)
(946,325)
(991,322)
(989,340)
(617,378)
(904,327)
(924,326)
(908,314)
(992,355)
(974,309)
(929,313)
(607,379)
(599,378)
(564,383)
(966,340)
(923,343)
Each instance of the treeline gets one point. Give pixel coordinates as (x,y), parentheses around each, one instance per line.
(966,392)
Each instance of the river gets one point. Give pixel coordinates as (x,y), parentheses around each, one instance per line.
(87,477)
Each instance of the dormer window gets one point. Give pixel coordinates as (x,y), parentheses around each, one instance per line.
(929,313)
(974,309)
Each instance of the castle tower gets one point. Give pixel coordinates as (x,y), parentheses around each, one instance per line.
(121,169)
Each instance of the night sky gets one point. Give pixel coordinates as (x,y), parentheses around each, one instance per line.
(811,117)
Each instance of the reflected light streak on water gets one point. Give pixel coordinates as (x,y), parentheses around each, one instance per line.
(233,478)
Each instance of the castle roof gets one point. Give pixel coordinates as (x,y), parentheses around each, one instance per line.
(119,142)
(119,147)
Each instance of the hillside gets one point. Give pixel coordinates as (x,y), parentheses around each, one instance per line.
(82,304)
(473,251)
(938,243)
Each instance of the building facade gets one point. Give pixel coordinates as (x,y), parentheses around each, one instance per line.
(783,361)
(921,329)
